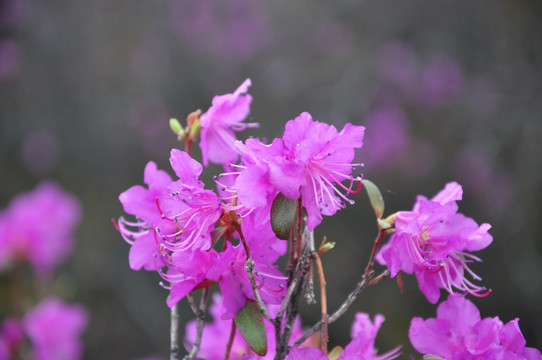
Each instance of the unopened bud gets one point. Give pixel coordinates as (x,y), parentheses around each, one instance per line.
(176,127)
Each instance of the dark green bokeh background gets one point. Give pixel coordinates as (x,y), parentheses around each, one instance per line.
(101,78)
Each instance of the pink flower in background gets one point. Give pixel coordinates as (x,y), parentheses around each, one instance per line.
(39,226)
(432,241)
(363,335)
(441,82)
(386,141)
(221,121)
(54,329)
(459,333)
(11,338)
(9,59)
(310,160)
(232,30)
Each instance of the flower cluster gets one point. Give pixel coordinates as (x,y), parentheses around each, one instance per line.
(459,333)
(196,237)
(432,241)
(362,346)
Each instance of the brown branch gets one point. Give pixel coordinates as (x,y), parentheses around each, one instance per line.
(323,300)
(230,340)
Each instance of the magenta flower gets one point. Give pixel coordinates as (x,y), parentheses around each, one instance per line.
(363,335)
(459,333)
(39,226)
(11,338)
(54,329)
(186,271)
(140,234)
(171,216)
(310,161)
(221,121)
(432,241)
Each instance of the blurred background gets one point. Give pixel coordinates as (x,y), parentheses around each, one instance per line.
(447,90)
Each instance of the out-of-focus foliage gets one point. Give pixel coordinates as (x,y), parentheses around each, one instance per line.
(447,90)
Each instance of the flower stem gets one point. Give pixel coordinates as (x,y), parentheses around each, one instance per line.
(323,300)
(230,340)
(200,322)
(174,334)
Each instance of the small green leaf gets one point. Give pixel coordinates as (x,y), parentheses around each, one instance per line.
(335,353)
(249,321)
(175,126)
(282,216)
(432,357)
(375,197)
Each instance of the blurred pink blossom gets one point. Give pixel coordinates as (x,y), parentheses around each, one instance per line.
(54,329)
(39,226)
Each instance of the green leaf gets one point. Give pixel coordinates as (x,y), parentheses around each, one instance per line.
(375,197)
(249,321)
(282,216)
(432,357)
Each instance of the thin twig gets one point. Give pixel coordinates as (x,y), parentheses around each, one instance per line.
(381,233)
(200,323)
(323,300)
(345,305)
(230,340)
(174,334)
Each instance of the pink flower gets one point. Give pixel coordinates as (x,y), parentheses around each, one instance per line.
(171,216)
(363,335)
(310,161)
(39,226)
(54,329)
(221,121)
(140,234)
(459,333)
(432,241)
(174,221)
(11,338)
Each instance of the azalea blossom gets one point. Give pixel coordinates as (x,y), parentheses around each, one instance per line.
(170,215)
(140,234)
(363,335)
(54,329)
(39,227)
(221,121)
(433,241)
(310,161)
(459,333)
